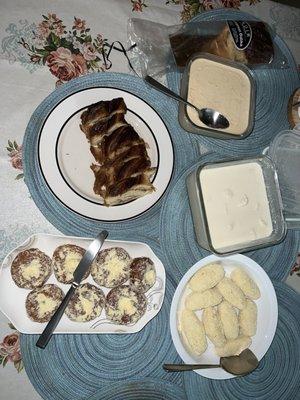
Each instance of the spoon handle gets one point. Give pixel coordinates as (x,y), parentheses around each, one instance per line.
(157,85)
(187,367)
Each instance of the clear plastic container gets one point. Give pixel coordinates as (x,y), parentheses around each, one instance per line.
(201,218)
(185,120)
(285,153)
(282,182)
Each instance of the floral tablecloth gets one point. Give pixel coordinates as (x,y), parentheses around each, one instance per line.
(45,44)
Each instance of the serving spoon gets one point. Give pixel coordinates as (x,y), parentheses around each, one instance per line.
(208,116)
(242,364)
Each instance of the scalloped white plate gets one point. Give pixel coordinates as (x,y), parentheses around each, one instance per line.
(12,298)
(266,318)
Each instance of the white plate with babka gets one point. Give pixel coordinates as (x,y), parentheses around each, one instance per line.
(123,290)
(106,154)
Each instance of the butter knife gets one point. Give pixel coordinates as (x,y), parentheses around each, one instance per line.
(79,273)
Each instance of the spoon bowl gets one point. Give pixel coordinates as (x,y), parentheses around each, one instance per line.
(208,116)
(240,365)
(213,118)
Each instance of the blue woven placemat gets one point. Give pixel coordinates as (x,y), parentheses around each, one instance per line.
(145,389)
(75,366)
(278,374)
(274,87)
(178,239)
(67,221)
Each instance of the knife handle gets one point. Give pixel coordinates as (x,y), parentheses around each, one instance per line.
(52,324)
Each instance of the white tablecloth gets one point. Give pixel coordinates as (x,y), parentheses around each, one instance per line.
(25,83)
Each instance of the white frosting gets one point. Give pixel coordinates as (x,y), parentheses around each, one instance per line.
(222,88)
(46,304)
(236,204)
(126,306)
(115,266)
(32,270)
(71,262)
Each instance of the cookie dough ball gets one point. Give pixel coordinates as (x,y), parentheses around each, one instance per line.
(234,347)
(41,303)
(192,332)
(232,293)
(213,326)
(199,300)
(244,282)
(111,267)
(65,260)
(248,319)
(229,320)
(206,277)
(31,269)
(142,274)
(125,305)
(86,303)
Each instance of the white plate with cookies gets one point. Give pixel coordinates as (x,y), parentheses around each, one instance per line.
(122,292)
(222,309)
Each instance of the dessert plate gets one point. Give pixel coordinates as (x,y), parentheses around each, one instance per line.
(16,312)
(64,155)
(267,313)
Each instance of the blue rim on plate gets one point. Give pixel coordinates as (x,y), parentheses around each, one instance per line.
(271,85)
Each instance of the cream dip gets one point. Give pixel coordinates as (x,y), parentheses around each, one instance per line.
(236,204)
(222,87)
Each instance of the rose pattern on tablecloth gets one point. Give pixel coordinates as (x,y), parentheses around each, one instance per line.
(15,156)
(67,53)
(137,5)
(192,7)
(296,267)
(10,350)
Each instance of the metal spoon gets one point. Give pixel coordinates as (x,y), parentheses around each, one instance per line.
(242,364)
(208,116)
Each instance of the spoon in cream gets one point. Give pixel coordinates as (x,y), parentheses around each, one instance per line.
(208,116)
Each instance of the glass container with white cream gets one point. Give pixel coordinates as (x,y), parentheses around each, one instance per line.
(222,85)
(236,205)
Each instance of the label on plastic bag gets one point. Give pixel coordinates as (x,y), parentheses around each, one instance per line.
(241,33)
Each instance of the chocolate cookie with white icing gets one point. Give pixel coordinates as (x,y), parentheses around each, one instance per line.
(125,305)
(86,304)
(31,268)
(111,267)
(41,303)
(142,274)
(65,260)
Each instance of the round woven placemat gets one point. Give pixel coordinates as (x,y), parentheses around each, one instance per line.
(67,221)
(273,88)
(278,374)
(178,238)
(75,366)
(145,389)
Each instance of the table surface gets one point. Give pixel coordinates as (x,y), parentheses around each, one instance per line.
(25,82)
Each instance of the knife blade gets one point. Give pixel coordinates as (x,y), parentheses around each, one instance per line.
(78,275)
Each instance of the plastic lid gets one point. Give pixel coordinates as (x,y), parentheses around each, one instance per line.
(285,153)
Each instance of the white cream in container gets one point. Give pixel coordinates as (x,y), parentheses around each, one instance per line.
(236,205)
(223,85)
